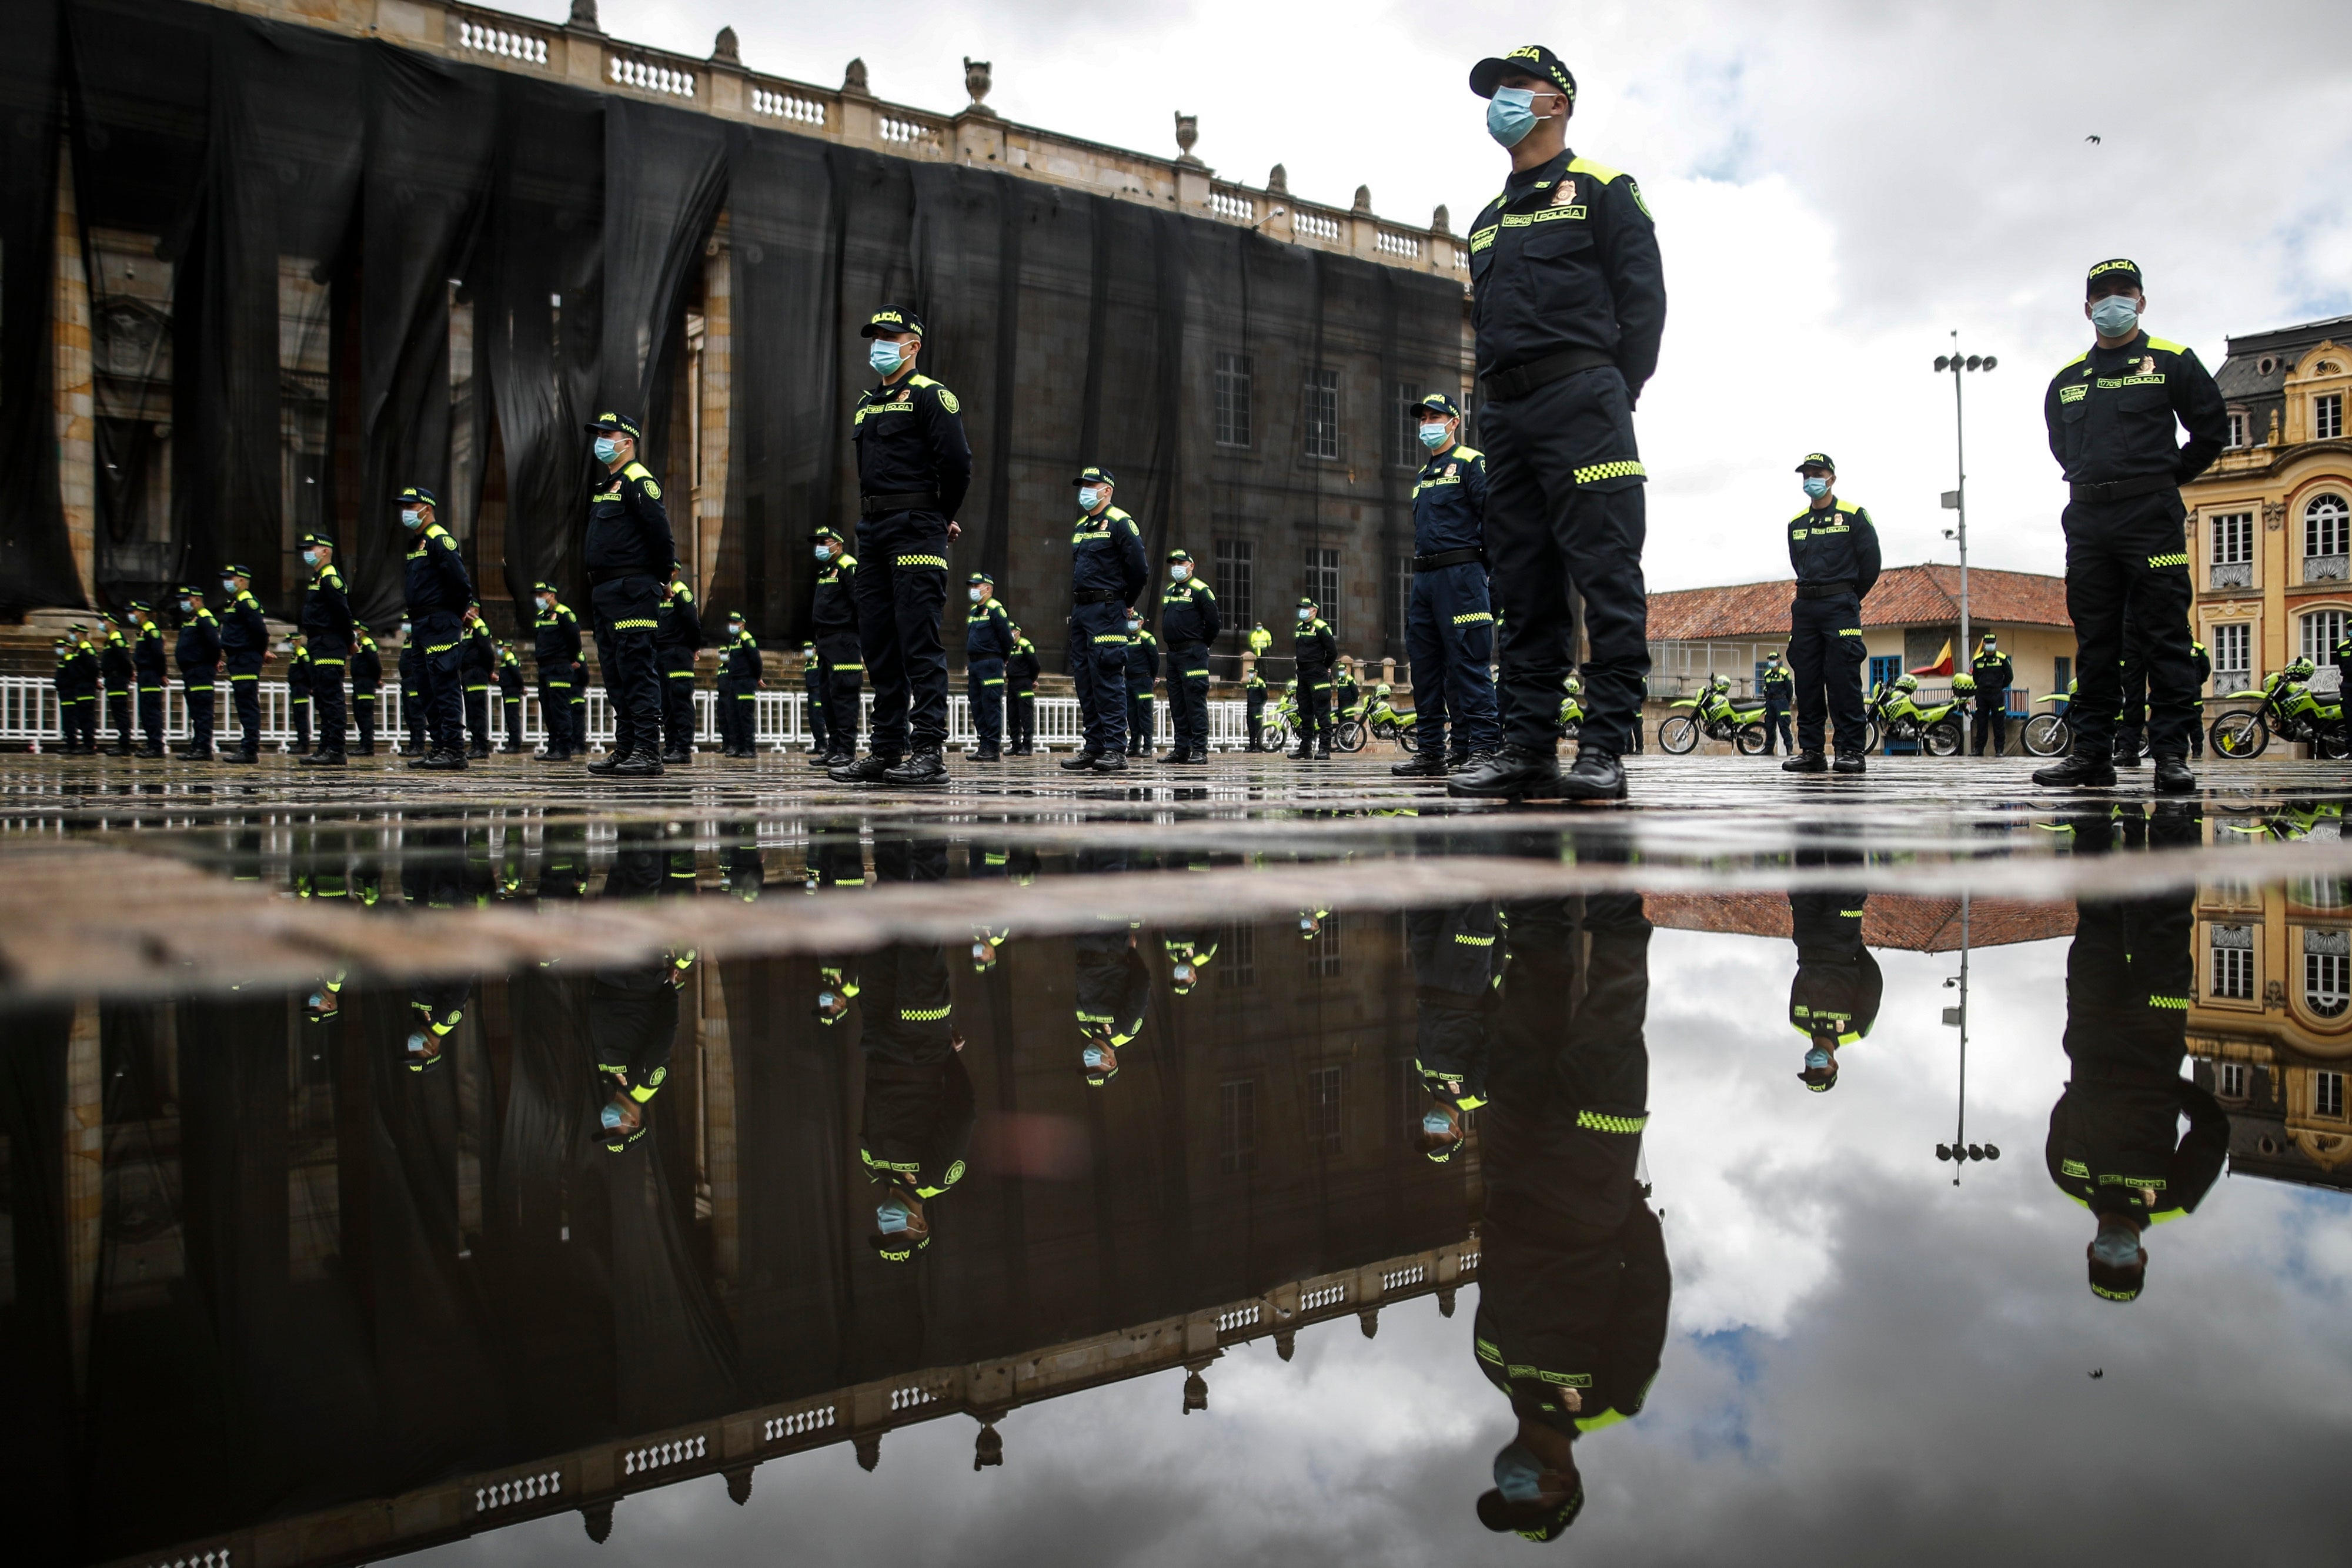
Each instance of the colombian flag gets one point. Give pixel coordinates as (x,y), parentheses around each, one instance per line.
(1943,664)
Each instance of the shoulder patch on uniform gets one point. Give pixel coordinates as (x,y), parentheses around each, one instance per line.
(1468,453)
(1848,506)
(652,487)
(1801,516)
(633,469)
(847,561)
(948,402)
(2168,346)
(920,380)
(2073,363)
(1600,172)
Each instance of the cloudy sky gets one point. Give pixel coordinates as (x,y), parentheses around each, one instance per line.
(1839,186)
(1866,1364)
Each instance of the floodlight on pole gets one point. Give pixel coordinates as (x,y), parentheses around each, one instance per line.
(1958,500)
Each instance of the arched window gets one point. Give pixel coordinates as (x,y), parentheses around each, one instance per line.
(2321,630)
(2326,537)
(2326,972)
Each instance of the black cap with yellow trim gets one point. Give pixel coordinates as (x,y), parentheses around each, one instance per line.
(231,569)
(1179,554)
(1092,474)
(318,541)
(1533,58)
(616,425)
(1816,460)
(2105,275)
(825,534)
(1438,402)
(892,318)
(421,496)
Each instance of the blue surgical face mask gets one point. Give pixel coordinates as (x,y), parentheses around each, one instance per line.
(975,595)
(310,557)
(1817,1059)
(1088,498)
(891,1219)
(825,999)
(611,1116)
(1179,571)
(607,449)
(1305,616)
(1433,434)
(883,356)
(410,518)
(2118,1247)
(2115,316)
(1519,1474)
(1816,487)
(188,606)
(1434,1121)
(822,551)
(1510,115)
(1095,1058)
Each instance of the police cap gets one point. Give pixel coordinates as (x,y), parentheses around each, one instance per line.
(825,534)
(319,541)
(1534,1521)
(421,496)
(891,318)
(2108,277)
(1093,475)
(1176,555)
(142,606)
(1307,604)
(1438,402)
(616,424)
(1533,58)
(190,591)
(2110,1283)
(543,587)
(230,569)
(1816,460)
(980,577)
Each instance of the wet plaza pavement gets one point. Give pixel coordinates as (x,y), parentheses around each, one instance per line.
(512,1166)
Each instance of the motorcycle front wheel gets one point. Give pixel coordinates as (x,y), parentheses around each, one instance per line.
(2045,735)
(1349,735)
(1749,740)
(1278,735)
(1679,734)
(2240,735)
(1941,739)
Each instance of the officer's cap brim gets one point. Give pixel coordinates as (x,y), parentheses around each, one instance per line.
(891,318)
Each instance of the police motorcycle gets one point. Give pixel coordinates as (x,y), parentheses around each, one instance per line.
(2050,734)
(2289,710)
(1279,720)
(1718,718)
(1348,730)
(1571,707)
(1894,714)
(1384,722)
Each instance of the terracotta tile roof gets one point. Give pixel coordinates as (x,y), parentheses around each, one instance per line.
(1927,595)
(1888,920)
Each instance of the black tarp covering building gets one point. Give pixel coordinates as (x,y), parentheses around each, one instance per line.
(322,266)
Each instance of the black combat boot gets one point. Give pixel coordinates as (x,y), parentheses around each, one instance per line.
(1510,773)
(867,769)
(1079,762)
(924,766)
(448,761)
(642,763)
(2080,770)
(322,757)
(2125,750)
(2174,775)
(1849,762)
(1806,762)
(1597,776)
(1109,762)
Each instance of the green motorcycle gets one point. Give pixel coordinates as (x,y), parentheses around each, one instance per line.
(1718,718)
(1385,723)
(2289,710)
(1894,714)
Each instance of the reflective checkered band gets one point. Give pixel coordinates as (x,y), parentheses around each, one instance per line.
(1627,468)
(1476,617)
(922,1015)
(2177,559)
(634,625)
(1600,1122)
(936,560)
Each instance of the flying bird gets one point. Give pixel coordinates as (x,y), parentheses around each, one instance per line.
(2092,140)
(2098,1372)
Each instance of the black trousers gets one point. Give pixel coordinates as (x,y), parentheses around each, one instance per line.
(555,706)
(363,715)
(1021,715)
(327,701)
(845,682)
(738,702)
(2131,718)
(118,712)
(245,691)
(678,697)
(626,617)
(150,714)
(1565,513)
(983,686)
(1776,728)
(1826,653)
(900,589)
(2127,565)
(1315,709)
(1140,725)
(1099,666)
(513,707)
(580,704)
(814,684)
(415,705)
(1450,637)
(1992,721)
(197,685)
(1256,715)
(442,634)
(1188,694)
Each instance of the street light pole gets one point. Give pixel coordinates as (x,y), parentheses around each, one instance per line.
(1958,500)
(1959,1151)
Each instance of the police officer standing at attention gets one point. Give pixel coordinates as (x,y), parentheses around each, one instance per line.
(914,466)
(987,644)
(1254,702)
(1143,669)
(1260,640)
(148,670)
(739,669)
(244,648)
(1190,619)
(439,594)
(327,625)
(629,553)
(1568,302)
(367,675)
(511,690)
(675,638)
(813,683)
(298,691)
(1020,694)
(1994,675)
(114,668)
(1450,626)
(415,687)
(838,653)
(480,662)
(197,652)
(1833,549)
(2110,413)
(555,649)
(1107,570)
(1776,686)
(1313,650)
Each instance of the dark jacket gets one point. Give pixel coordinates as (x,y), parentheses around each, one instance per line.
(678,624)
(1107,555)
(988,631)
(2110,414)
(327,615)
(1021,669)
(114,660)
(1458,956)
(1565,258)
(738,658)
(1837,543)
(147,654)
(437,581)
(1142,662)
(836,610)
(366,664)
(1314,648)
(1777,684)
(1189,612)
(628,531)
(555,636)
(510,682)
(1449,502)
(243,630)
(919,1103)
(1838,988)
(910,438)
(198,650)
(299,672)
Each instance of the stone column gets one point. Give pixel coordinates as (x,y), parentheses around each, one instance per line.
(717,1054)
(717,394)
(77,455)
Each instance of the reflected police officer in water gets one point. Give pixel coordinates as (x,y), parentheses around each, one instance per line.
(244,648)
(1833,550)
(328,627)
(1190,619)
(916,1130)
(629,553)
(914,467)
(1569,304)
(1114,988)
(439,597)
(1107,570)
(2111,412)
(1574,1284)
(2116,1145)
(1457,962)
(197,654)
(1834,996)
(1450,626)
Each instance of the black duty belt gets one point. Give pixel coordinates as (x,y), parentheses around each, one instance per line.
(1098,596)
(1521,380)
(602,575)
(2124,489)
(905,501)
(1446,558)
(1837,589)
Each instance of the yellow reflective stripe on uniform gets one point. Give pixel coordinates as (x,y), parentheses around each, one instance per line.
(1482,239)
(323,663)
(844,669)
(439,647)
(923,1015)
(998,682)
(1476,617)
(2175,558)
(1594,1423)
(1108,640)
(936,560)
(1626,469)
(2177,1003)
(634,625)
(1191,675)
(2167,345)
(1600,172)
(1601,1121)
(681,674)
(1469,941)
(1849,631)
(234,677)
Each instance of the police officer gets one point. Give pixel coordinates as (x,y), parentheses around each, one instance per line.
(415,704)
(1776,685)
(114,669)
(1834,996)
(1020,694)
(987,644)
(244,648)
(555,649)
(440,596)
(511,689)
(1254,706)
(480,664)
(1260,640)
(840,655)
(1450,624)
(628,552)
(739,669)
(148,670)
(1190,619)
(1833,549)
(367,676)
(328,628)
(1313,652)
(298,691)
(1569,303)
(197,652)
(1143,669)
(83,665)
(813,683)
(1107,570)
(914,466)
(2110,414)
(676,636)
(1994,675)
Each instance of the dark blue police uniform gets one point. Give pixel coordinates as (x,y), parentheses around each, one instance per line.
(1107,570)
(676,639)
(1833,549)
(628,554)
(1450,624)
(437,589)
(987,644)
(148,671)
(1190,620)
(197,652)
(328,627)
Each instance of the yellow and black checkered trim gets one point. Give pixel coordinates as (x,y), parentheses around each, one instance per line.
(936,560)
(1601,1122)
(2177,559)
(1624,468)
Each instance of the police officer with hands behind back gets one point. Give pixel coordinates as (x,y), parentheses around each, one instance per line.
(2110,413)
(1568,302)
(328,627)
(1450,627)
(988,642)
(197,652)
(1776,686)
(148,670)
(675,638)
(1190,620)
(834,614)
(1313,650)
(244,648)
(628,554)
(1833,549)
(439,593)
(914,466)
(1107,570)
(555,649)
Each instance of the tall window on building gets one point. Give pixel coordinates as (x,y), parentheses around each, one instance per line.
(1236,965)
(2232,645)
(1233,401)
(2232,1081)
(2326,973)
(2327,416)
(131,307)
(2322,629)
(1400,596)
(1326,1110)
(2233,952)
(1237,1126)
(1319,416)
(1327,956)
(1237,585)
(2327,529)
(2229,553)
(2327,1095)
(1404,398)
(2237,430)
(1321,582)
